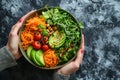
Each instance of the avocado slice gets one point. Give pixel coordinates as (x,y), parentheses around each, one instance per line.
(29,49)
(32,55)
(57,39)
(39,57)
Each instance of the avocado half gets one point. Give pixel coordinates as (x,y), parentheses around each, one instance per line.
(57,39)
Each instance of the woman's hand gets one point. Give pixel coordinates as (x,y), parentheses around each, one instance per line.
(13,40)
(74,65)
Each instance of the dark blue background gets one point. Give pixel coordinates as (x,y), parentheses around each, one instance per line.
(101,19)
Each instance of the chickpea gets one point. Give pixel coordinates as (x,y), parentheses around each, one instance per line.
(51,29)
(48,25)
(55,28)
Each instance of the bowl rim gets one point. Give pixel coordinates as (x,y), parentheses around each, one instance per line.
(22,28)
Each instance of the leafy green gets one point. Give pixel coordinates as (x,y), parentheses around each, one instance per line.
(81,25)
(41,26)
(72,29)
(45,32)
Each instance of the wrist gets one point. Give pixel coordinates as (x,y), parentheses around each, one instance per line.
(11,51)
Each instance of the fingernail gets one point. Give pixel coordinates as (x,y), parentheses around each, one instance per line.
(20,20)
(82,51)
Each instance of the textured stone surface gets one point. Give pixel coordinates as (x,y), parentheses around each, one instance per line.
(101,19)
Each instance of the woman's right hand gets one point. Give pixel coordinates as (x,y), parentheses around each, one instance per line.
(12,44)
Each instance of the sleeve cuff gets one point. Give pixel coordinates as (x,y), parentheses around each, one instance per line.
(61,76)
(6,59)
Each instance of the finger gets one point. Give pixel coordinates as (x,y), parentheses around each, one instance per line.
(18,25)
(26,15)
(80,53)
(82,42)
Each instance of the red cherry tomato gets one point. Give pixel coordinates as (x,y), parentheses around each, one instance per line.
(45,47)
(37,36)
(36,45)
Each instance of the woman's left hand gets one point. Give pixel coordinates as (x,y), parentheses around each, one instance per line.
(73,66)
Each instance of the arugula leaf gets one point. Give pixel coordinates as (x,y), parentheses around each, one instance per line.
(45,15)
(49,21)
(81,25)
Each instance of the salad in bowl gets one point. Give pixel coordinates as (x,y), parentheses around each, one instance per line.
(50,38)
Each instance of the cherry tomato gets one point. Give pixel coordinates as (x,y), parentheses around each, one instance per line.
(37,36)
(45,47)
(45,39)
(36,45)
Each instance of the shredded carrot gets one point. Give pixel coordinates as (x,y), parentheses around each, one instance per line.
(31,27)
(35,21)
(50,58)
(24,45)
(26,37)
